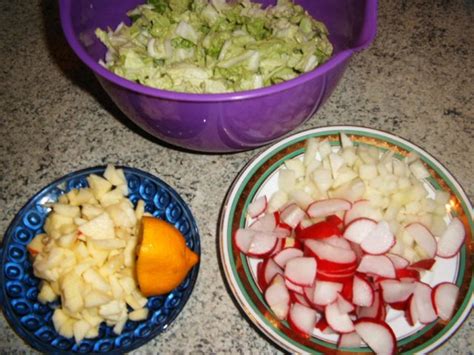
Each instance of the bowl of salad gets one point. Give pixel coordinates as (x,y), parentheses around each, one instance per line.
(217,76)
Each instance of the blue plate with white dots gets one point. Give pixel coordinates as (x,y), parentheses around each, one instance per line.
(19,287)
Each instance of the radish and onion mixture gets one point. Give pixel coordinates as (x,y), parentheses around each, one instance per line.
(348,235)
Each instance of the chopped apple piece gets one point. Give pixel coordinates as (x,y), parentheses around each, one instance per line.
(46,293)
(66,210)
(98,185)
(138,314)
(81,327)
(114,176)
(100,227)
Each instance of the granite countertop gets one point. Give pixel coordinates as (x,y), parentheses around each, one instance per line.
(416,80)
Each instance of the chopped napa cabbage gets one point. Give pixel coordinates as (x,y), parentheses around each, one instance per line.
(215,46)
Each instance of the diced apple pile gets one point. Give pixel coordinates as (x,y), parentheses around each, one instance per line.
(86,257)
(329,245)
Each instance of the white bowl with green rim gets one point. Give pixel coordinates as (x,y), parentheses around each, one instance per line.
(259,178)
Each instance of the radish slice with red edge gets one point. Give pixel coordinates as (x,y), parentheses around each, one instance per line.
(379,241)
(411,314)
(329,252)
(396,291)
(377,265)
(362,292)
(337,320)
(399,262)
(452,239)
(377,335)
(349,340)
(338,242)
(425,264)
(344,305)
(278,298)
(282,257)
(292,215)
(265,223)
(299,298)
(423,237)
(270,269)
(319,230)
(325,292)
(324,208)
(294,287)
(444,298)
(302,319)
(361,209)
(281,232)
(373,311)
(407,274)
(243,239)
(257,206)
(359,229)
(423,303)
(262,245)
(301,270)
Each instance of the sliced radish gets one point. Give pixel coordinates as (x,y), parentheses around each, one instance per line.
(294,287)
(292,215)
(299,298)
(278,298)
(323,325)
(324,208)
(396,291)
(336,277)
(319,230)
(377,265)
(265,223)
(344,305)
(425,264)
(377,335)
(270,269)
(423,303)
(324,251)
(374,311)
(257,206)
(359,229)
(243,239)
(262,284)
(362,292)
(337,320)
(407,274)
(262,245)
(282,257)
(326,292)
(278,246)
(452,239)
(361,209)
(335,220)
(379,241)
(399,262)
(302,318)
(281,232)
(301,270)
(349,340)
(411,314)
(444,298)
(423,238)
(338,242)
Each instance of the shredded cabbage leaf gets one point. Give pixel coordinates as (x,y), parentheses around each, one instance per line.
(211,46)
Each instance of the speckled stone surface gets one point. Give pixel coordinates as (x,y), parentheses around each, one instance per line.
(417,81)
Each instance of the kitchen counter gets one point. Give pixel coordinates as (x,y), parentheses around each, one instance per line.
(416,80)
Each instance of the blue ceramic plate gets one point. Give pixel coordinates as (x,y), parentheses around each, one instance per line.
(19,287)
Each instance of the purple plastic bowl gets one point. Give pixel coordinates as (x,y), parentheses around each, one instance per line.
(222,122)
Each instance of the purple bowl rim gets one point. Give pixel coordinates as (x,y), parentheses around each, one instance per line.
(334,61)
